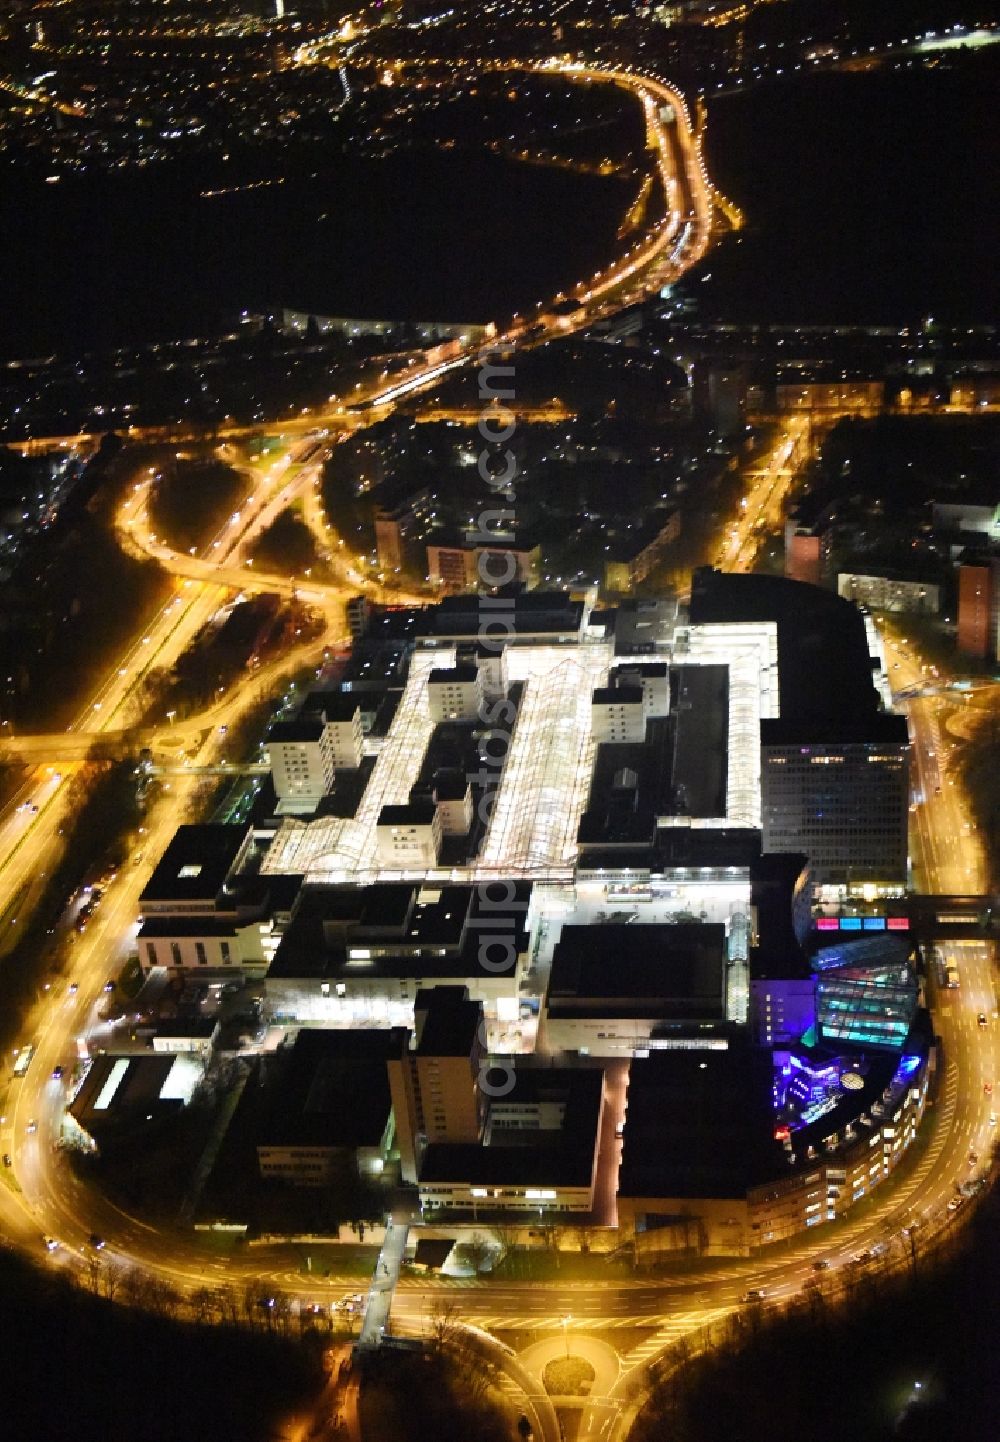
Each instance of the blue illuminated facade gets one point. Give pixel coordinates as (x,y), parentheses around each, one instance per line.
(866,993)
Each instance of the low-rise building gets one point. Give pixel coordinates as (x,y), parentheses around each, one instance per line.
(201,913)
(208,946)
(896,593)
(194,876)
(196,1035)
(327,1110)
(632,556)
(618,989)
(125,1097)
(539,1151)
(357,953)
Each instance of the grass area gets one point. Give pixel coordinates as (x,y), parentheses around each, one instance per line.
(218,1243)
(287,548)
(59,603)
(332,1260)
(416,1396)
(621,1339)
(568,1377)
(523,1264)
(130,980)
(192,500)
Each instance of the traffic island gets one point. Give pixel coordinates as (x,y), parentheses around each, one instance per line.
(568,1377)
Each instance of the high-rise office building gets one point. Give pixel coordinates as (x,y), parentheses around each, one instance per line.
(435,1082)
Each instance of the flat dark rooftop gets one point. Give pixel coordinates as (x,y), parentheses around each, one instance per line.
(715,846)
(332,705)
(775,885)
(445,675)
(824,669)
(672,969)
(882,728)
(413,813)
(699,704)
(302,729)
(386,906)
(421,921)
(527,613)
(630,787)
(699,1124)
(651,670)
(202,1026)
(526,1157)
(207,852)
(617,695)
(159,926)
(375,664)
(447,1021)
(136,1096)
(332,1090)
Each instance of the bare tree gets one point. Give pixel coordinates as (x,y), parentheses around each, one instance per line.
(280,1308)
(135,1288)
(506,1234)
(587,1236)
(204,1304)
(476,1250)
(249,1305)
(112,1276)
(229,1305)
(162,1298)
(445,1326)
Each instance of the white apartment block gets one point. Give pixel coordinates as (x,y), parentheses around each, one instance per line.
(618,713)
(652,679)
(455,693)
(302,764)
(408,837)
